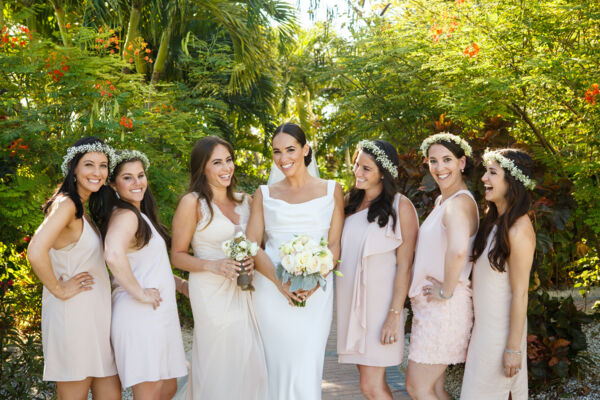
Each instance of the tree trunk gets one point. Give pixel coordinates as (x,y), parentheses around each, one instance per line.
(1,14)
(161,56)
(60,19)
(133,32)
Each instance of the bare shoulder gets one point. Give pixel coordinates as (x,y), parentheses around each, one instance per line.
(405,207)
(338,189)
(522,231)
(462,203)
(63,205)
(189,200)
(124,216)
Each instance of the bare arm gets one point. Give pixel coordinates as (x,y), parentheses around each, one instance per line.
(337,223)
(521,237)
(120,236)
(255,232)
(409,226)
(185,220)
(61,215)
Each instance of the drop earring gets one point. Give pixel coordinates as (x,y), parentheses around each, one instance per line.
(117,194)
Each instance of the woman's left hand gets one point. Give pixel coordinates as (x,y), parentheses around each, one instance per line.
(432,292)
(305,294)
(389,332)
(512,364)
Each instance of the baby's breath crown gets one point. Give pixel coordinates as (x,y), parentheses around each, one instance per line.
(129,155)
(509,166)
(447,137)
(380,156)
(88,148)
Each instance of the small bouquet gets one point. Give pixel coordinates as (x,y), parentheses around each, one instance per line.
(238,249)
(304,263)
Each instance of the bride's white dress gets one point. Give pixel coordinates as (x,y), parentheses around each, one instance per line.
(294,337)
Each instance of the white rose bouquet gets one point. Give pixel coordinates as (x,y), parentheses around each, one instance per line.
(238,249)
(304,263)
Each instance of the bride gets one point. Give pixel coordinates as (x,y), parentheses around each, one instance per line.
(294,337)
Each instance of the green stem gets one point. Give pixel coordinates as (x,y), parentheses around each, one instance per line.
(161,57)
(1,14)
(60,19)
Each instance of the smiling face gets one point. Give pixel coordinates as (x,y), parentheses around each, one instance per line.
(366,172)
(288,154)
(495,183)
(131,182)
(219,168)
(91,172)
(445,167)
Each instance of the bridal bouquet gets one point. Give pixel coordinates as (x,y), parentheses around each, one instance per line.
(238,249)
(304,263)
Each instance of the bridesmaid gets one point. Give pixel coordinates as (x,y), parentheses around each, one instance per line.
(227,357)
(496,365)
(66,254)
(440,290)
(145,332)
(378,244)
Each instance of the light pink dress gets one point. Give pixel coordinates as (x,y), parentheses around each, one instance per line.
(364,293)
(76,332)
(147,342)
(440,329)
(484,371)
(228,360)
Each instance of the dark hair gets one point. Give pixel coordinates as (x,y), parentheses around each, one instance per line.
(382,207)
(102,211)
(458,153)
(297,133)
(200,156)
(68,187)
(518,202)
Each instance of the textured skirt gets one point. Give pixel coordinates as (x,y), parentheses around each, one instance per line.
(441,329)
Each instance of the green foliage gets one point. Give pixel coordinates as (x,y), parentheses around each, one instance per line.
(555,338)
(20,334)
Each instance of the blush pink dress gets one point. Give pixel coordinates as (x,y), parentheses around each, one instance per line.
(484,371)
(364,293)
(228,360)
(76,332)
(440,329)
(147,342)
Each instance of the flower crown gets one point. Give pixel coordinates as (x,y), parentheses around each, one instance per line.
(509,165)
(129,155)
(380,156)
(447,137)
(88,148)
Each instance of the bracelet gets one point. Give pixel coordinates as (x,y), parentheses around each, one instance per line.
(444,297)
(393,310)
(509,351)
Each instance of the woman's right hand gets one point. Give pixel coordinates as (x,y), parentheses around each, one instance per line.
(226,267)
(81,282)
(289,295)
(150,296)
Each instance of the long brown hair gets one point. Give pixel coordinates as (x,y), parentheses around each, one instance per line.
(518,202)
(102,212)
(200,156)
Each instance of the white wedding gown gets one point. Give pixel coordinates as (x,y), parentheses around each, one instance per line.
(294,337)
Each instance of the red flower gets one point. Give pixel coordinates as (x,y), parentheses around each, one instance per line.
(26,239)
(471,50)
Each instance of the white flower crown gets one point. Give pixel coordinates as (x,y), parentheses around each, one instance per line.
(448,137)
(380,156)
(88,148)
(509,165)
(128,155)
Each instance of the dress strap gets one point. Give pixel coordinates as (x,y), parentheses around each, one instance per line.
(330,187)
(265,191)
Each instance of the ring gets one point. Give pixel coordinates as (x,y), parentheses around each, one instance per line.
(392,338)
(82,283)
(427,290)
(517,370)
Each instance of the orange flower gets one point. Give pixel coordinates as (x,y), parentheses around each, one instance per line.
(68,25)
(130,47)
(136,52)
(131,60)
(148,51)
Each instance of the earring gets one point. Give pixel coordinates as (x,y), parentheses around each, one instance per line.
(462,170)
(75,179)
(117,194)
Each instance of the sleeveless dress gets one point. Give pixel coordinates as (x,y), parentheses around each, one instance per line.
(364,293)
(76,332)
(294,337)
(147,342)
(228,359)
(484,371)
(440,329)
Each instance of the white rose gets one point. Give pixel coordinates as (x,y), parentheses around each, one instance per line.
(288,263)
(240,234)
(302,260)
(313,265)
(253,249)
(243,244)
(240,256)
(298,247)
